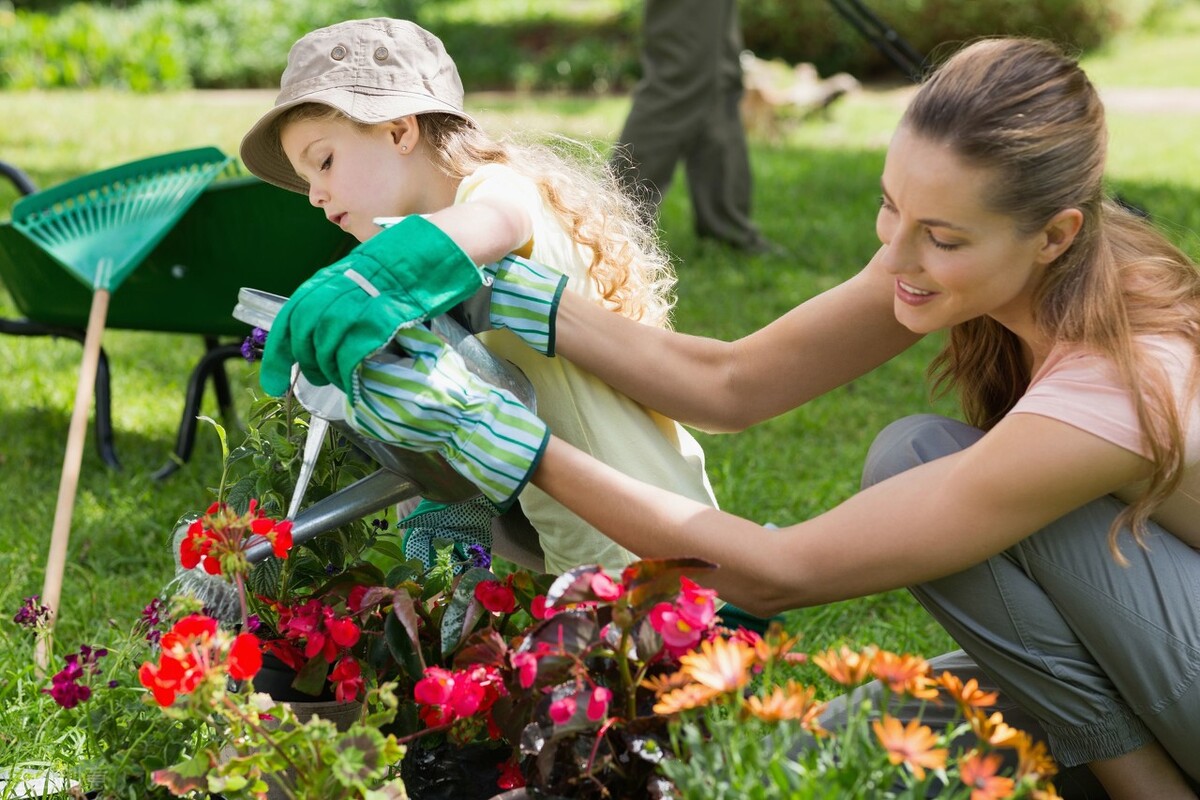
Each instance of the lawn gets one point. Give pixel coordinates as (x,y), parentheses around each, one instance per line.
(816,191)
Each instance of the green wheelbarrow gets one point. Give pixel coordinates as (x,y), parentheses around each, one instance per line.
(238,231)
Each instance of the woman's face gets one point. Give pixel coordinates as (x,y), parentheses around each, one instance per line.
(354,174)
(953,259)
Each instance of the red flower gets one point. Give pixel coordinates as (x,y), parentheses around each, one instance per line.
(496,597)
(539,608)
(510,775)
(192,651)
(347,680)
(219,538)
(245,657)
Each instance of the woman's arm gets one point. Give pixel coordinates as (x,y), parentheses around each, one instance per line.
(930,521)
(723,386)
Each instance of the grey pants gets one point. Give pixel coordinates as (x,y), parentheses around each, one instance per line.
(1096,658)
(686,108)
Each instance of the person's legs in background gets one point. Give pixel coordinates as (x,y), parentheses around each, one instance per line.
(686,108)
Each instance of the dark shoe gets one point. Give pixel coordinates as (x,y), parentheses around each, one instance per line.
(734,617)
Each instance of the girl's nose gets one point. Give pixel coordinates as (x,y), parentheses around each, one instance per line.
(317,197)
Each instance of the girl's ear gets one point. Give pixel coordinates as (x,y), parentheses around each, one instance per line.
(1059,233)
(405,133)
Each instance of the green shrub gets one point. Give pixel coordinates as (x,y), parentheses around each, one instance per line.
(816,33)
(88,46)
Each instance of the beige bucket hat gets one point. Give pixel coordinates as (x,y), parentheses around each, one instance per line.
(371,70)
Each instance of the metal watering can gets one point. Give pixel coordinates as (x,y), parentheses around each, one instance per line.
(403,474)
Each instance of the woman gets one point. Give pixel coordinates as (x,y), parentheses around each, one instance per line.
(1054,537)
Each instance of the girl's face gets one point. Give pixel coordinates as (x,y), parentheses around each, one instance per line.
(356,174)
(953,259)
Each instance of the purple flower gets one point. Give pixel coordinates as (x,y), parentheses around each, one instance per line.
(32,614)
(65,686)
(479,556)
(253,344)
(152,619)
(253,623)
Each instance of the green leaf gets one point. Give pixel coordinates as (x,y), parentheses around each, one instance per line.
(405,648)
(311,677)
(464,610)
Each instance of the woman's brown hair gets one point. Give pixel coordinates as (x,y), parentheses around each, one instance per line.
(1026,112)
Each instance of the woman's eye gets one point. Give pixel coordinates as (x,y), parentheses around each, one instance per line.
(884,204)
(939,244)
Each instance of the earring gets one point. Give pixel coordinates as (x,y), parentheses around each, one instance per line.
(403,148)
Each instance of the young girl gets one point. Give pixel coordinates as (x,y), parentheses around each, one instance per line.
(1057,537)
(369,122)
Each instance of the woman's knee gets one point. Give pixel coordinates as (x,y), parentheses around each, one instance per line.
(912,441)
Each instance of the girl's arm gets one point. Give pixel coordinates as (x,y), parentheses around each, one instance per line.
(486,229)
(930,521)
(723,386)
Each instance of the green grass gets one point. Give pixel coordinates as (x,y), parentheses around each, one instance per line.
(815,193)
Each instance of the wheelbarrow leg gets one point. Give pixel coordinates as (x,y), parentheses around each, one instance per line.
(220,380)
(213,359)
(103,389)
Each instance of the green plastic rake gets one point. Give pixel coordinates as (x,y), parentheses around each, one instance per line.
(99,227)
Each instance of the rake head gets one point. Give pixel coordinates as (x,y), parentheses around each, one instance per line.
(100,226)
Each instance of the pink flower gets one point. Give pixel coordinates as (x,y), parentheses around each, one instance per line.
(526,666)
(562,710)
(605,587)
(696,604)
(598,700)
(678,634)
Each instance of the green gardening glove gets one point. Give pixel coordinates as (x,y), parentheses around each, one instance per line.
(427,400)
(517,294)
(465,524)
(347,311)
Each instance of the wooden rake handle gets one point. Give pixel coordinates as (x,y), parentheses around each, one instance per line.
(72,460)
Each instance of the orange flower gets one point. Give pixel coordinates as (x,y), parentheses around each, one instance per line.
(846,666)
(904,674)
(912,744)
(966,695)
(993,730)
(979,772)
(1047,792)
(1033,759)
(694,695)
(792,701)
(777,646)
(720,664)
(661,684)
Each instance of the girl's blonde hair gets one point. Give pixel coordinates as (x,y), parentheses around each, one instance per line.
(630,270)
(1025,111)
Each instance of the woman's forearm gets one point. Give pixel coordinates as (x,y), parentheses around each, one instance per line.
(713,385)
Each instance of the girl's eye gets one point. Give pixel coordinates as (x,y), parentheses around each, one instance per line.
(940,245)
(327,163)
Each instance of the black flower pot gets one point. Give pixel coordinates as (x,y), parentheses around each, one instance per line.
(448,772)
(275,678)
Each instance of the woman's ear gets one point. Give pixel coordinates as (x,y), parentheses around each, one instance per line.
(405,133)
(1059,234)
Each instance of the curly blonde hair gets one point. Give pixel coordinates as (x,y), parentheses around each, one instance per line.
(631,271)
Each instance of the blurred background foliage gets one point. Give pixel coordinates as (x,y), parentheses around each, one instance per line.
(531,45)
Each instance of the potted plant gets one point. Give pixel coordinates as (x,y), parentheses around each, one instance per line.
(103,739)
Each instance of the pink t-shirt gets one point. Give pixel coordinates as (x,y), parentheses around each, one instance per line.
(1081,389)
